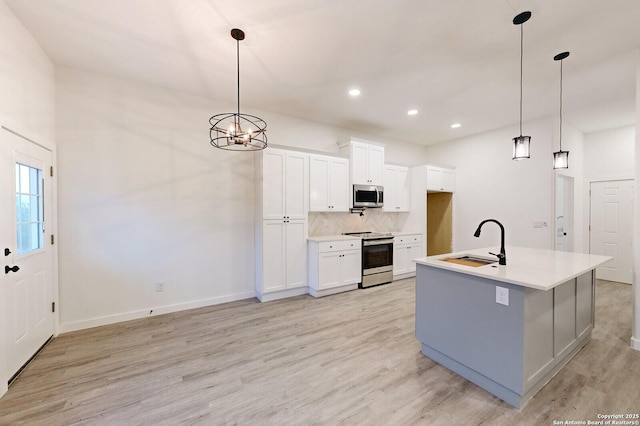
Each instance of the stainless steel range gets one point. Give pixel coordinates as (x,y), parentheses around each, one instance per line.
(377,257)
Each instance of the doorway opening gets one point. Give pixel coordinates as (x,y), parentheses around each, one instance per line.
(564,217)
(439,222)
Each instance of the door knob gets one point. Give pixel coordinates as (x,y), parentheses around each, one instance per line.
(7,252)
(8,269)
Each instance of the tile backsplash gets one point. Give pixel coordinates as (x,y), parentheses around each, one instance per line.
(321,224)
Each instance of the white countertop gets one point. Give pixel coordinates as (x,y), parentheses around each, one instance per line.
(527,267)
(401,233)
(326,238)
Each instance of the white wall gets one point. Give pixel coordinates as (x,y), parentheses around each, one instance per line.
(27,107)
(27,85)
(489,184)
(609,154)
(144,198)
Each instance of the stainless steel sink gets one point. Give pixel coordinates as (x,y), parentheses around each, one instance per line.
(469,260)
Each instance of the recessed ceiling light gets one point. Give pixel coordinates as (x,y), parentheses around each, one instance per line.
(354,92)
(412,112)
(455,125)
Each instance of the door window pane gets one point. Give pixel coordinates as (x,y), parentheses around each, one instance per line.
(29,209)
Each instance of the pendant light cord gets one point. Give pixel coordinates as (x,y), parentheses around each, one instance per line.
(521,56)
(238,68)
(561,105)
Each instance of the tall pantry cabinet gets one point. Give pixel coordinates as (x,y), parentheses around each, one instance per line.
(282,200)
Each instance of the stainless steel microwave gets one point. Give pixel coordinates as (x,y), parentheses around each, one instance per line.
(368,196)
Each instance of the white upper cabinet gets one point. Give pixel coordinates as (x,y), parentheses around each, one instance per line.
(284,183)
(328,184)
(440,179)
(367,163)
(397,189)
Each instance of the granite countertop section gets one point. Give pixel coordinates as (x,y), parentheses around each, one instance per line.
(326,238)
(402,233)
(527,267)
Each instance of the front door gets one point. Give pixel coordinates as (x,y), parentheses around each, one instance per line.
(612,227)
(27,268)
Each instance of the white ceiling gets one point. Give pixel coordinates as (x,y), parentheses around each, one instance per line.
(453,63)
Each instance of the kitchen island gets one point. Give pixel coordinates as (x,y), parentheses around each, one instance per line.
(508,328)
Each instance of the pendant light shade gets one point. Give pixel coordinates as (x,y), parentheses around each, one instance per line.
(234,131)
(521,147)
(521,144)
(561,158)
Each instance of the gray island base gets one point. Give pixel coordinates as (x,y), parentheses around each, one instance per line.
(506,337)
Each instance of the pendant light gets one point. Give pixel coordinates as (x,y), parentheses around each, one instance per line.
(521,143)
(561,158)
(234,131)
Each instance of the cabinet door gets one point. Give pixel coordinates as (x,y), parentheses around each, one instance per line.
(359,164)
(447,180)
(351,267)
(400,254)
(403,190)
(433,179)
(273,177)
(329,270)
(295,183)
(439,179)
(376,165)
(273,249)
(390,189)
(319,178)
(296,253)
(414,251)
(339,190)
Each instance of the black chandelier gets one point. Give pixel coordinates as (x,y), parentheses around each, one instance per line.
(234,131)
(521,143)
(561,158)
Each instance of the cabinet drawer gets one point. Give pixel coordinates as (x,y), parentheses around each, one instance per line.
(407,239)
(329,246)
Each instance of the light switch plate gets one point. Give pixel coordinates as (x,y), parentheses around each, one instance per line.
(502,295)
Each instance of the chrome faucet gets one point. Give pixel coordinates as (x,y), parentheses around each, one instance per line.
(502,257)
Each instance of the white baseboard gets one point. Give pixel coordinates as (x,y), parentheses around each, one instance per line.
(334,290)
(635,343)
(403,276)
(268,297)
(151,311)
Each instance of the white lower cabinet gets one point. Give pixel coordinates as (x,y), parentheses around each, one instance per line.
(334,266)
(282,261)
(405,249)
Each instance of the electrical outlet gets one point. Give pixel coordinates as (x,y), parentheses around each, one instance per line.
(160,286)
(502,295)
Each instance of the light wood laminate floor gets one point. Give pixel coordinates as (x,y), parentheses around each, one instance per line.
(351,358)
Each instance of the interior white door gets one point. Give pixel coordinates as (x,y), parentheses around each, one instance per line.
(611,225)
(27,275)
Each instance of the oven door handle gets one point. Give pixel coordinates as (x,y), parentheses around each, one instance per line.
(377,242)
